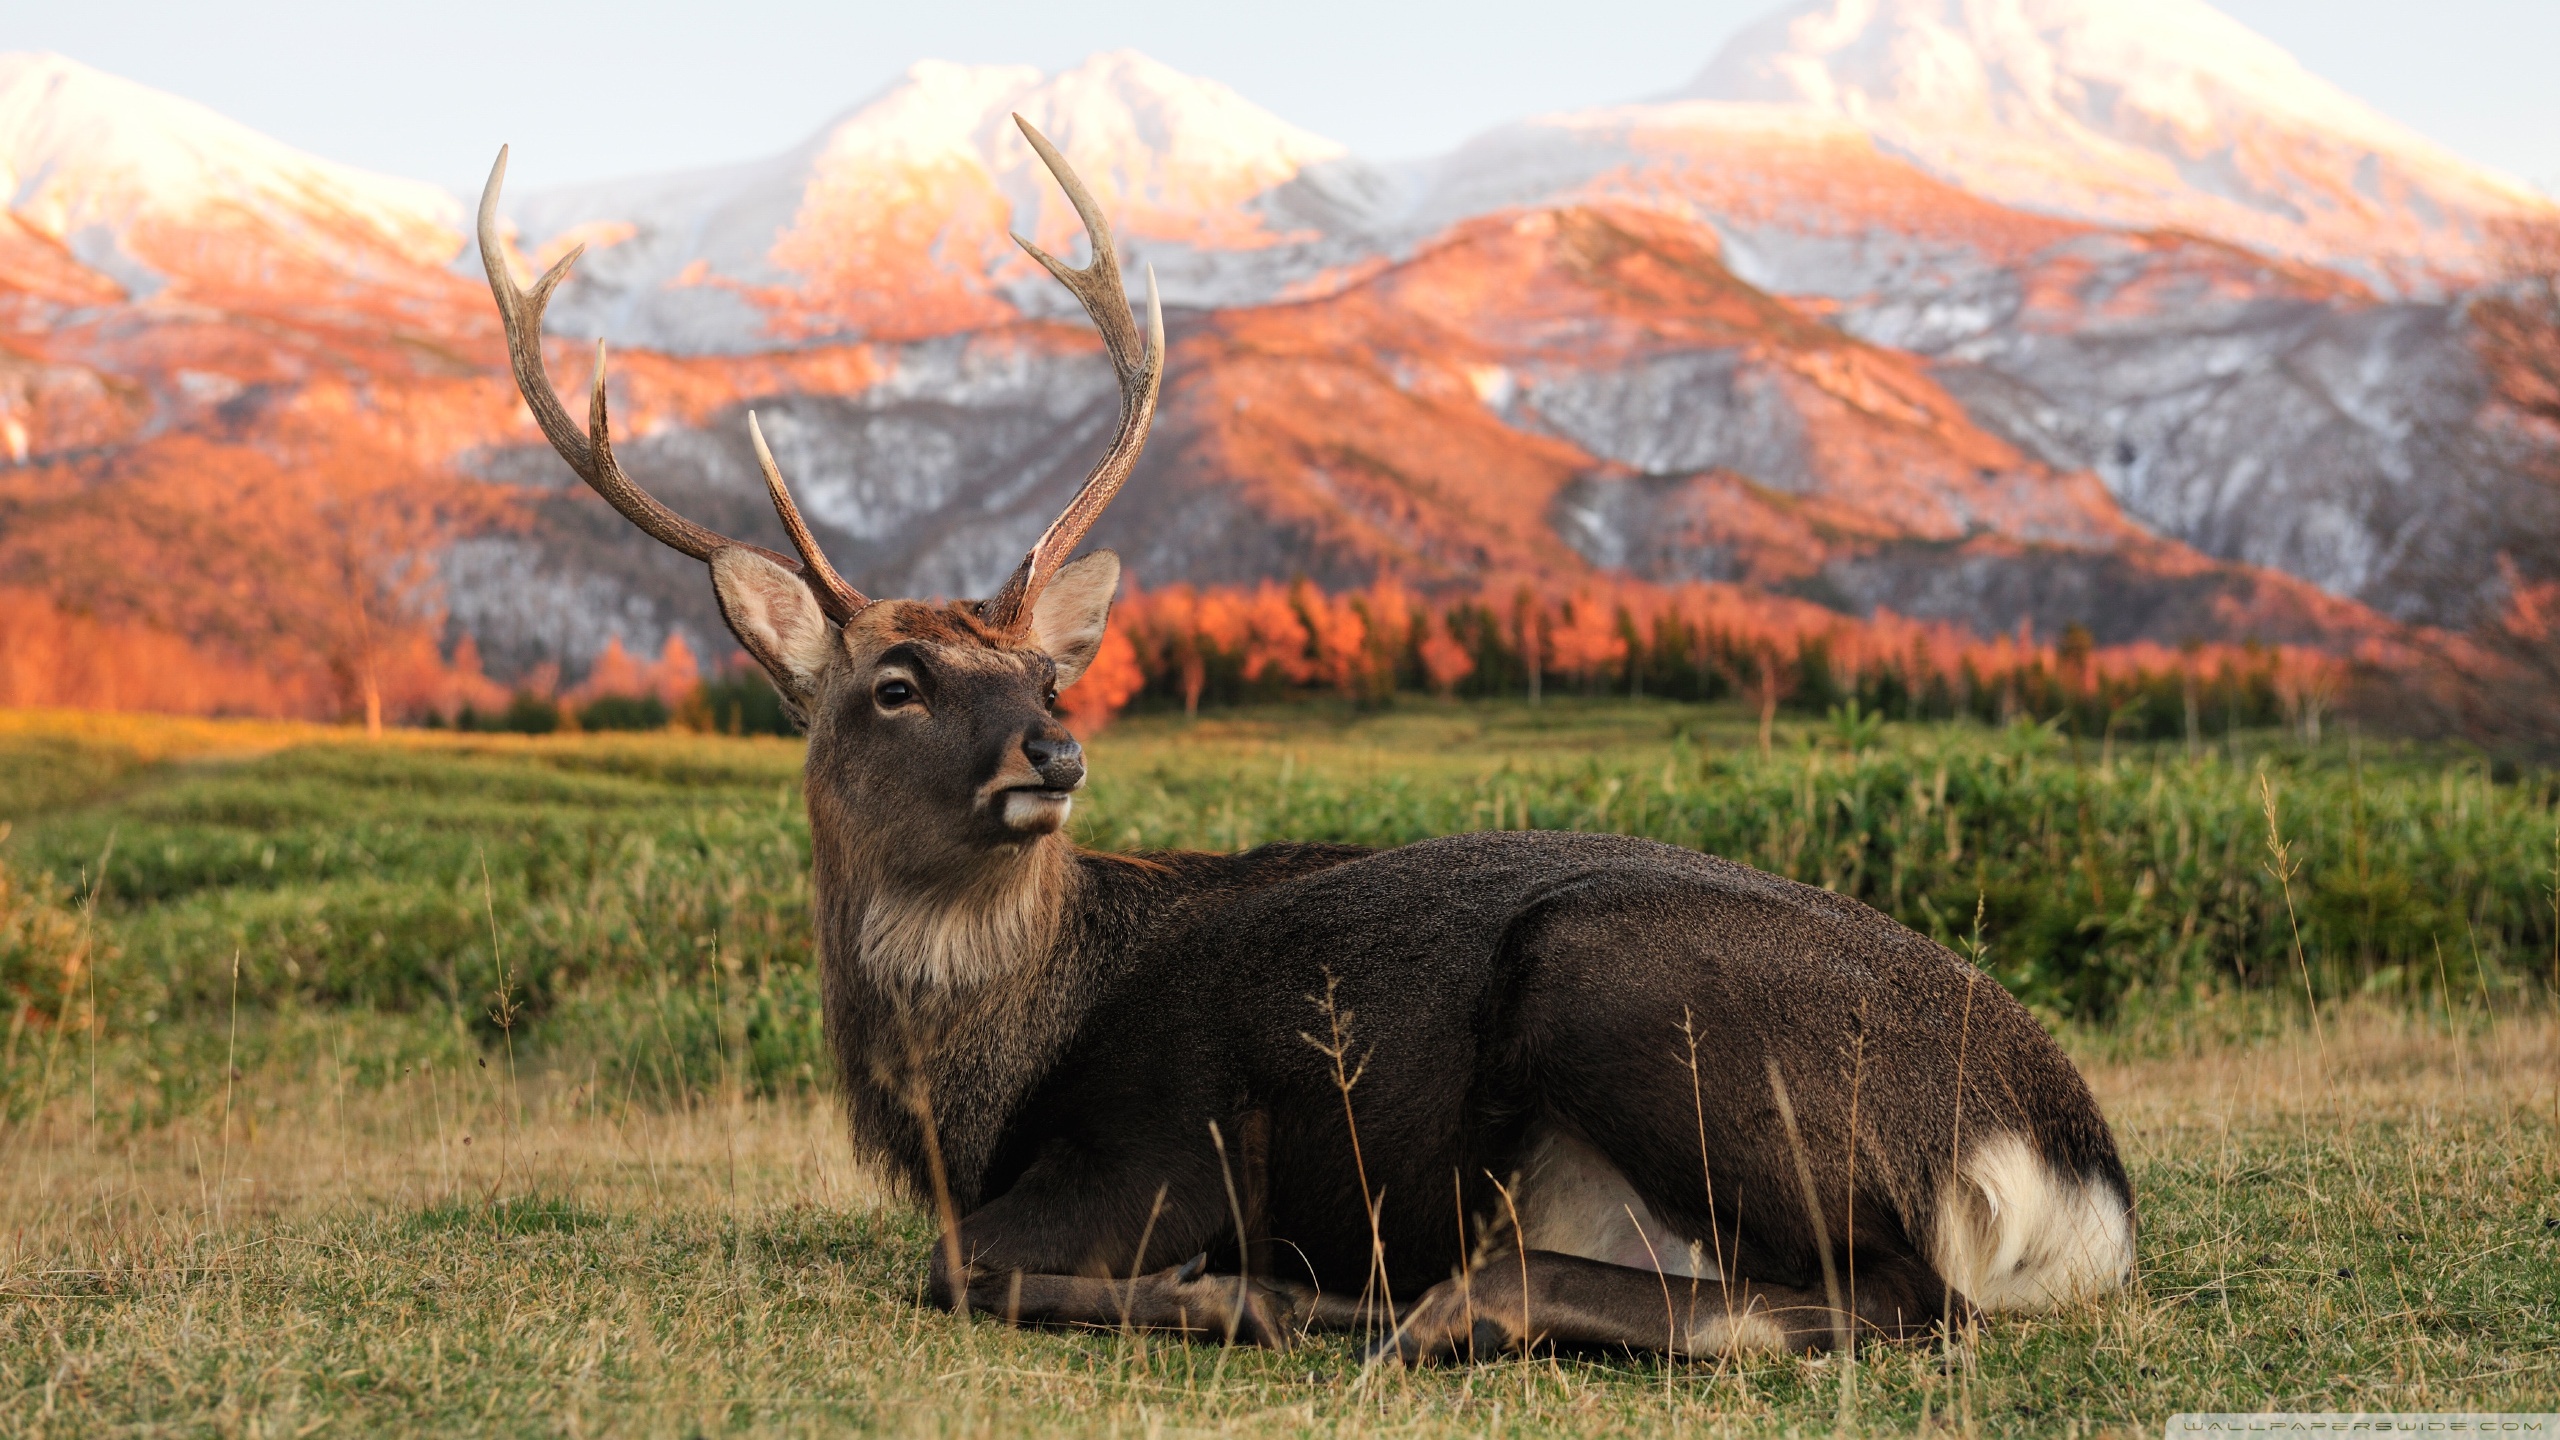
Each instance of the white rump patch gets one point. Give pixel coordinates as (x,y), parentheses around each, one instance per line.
(1573,1201)
(2014,1235)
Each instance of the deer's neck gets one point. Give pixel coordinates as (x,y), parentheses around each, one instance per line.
(924,938)
(947,1001)
(963,936)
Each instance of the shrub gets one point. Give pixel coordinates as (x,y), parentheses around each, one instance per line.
(526,714)
(42,946)
(624,712)
(529,714)
(740,705)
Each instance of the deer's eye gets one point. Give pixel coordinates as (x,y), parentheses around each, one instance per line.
(1051,700)
(894,694)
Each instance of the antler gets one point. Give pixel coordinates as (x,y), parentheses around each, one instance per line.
(822,577)
(1141,368)
(591,454)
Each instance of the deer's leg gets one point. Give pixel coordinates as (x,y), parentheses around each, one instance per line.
(1513,1302)
(1313,1309)
(1185,1299)
(1083,1243)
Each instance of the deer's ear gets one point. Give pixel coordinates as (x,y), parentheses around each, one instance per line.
(774,615)
(1067,619)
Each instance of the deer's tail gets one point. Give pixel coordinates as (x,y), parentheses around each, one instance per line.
(2014,1233)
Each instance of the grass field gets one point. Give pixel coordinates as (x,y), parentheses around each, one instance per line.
(473,1083)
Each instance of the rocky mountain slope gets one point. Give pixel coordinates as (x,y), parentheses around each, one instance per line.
(1532,397)
(2267,405)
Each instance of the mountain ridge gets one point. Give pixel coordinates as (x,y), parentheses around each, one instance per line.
(924,181)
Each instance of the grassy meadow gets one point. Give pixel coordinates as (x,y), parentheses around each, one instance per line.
(472,1082)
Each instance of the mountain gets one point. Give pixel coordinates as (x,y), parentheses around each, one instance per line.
(161,267)
(1956,180)
(891,223)
(2267,405)
(150,192)
(1752,336)
(2164,114)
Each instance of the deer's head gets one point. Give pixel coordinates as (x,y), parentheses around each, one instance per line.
(929,722)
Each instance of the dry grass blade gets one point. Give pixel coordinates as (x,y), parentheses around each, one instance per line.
(1843,1324)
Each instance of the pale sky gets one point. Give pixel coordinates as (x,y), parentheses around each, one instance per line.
(587,90)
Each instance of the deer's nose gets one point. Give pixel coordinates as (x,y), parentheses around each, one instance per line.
(1058,759)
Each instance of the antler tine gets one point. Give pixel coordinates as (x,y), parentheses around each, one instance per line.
(1140,363)
(590,454)
(837,598)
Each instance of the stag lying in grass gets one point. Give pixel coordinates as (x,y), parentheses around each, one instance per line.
(1484,1092)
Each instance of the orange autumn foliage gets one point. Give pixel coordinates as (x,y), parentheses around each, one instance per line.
(1445,662)
(674,675)
(1693,641)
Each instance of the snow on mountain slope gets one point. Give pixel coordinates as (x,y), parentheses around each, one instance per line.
(150,190)
(162,268)
(892,222)
(1806,203)
(2261,412)
(2142,113)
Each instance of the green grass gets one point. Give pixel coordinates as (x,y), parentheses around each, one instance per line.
(518,1121)
(2106,876)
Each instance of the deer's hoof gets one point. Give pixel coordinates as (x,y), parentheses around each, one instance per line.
(1449,1325)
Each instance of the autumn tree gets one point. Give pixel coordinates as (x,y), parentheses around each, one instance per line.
(2504,686)
(1445,661)
(1765,681)
(2516,324)
(1392,618)
(1587,641)
(1110,681)
(1338,635)
(1275,638)
(2307,684)
(1533,649)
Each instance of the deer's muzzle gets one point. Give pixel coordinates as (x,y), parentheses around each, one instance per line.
(1056,763)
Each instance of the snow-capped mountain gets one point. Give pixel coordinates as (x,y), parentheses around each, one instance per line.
(891,223)
(1959,180)
(149,190)
(2141,113)
(163,269)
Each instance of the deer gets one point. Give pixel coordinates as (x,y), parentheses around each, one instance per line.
(1480,1094)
